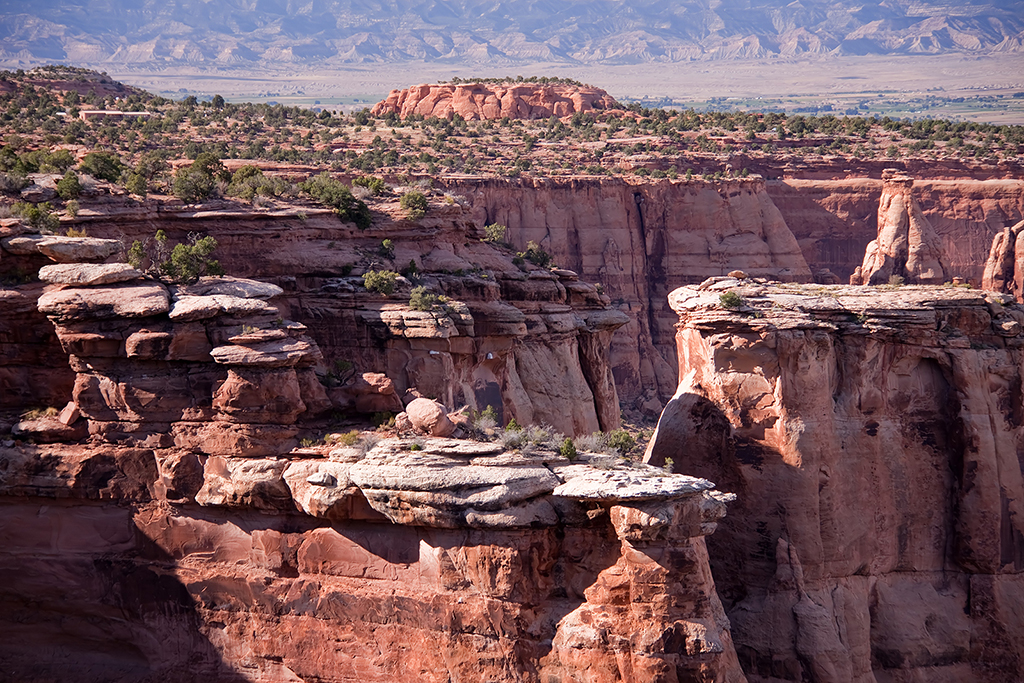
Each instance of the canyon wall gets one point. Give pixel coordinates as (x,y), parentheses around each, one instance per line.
(833,220)
(874,440)
(640,240)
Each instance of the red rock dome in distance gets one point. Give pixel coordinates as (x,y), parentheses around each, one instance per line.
(477,101)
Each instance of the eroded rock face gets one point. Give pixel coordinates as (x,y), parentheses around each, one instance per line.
(640,240)
(150,564)
(476,101)
(906,247)
(873,439)
(234,381)
(1004,270)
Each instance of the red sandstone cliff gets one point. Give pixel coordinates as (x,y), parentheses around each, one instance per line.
(474,101)
(874,441)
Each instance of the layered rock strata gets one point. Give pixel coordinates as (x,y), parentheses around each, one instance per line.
(480,101)
(873,438)
(210,366)
(1004,269)
(453,562)
(906,246)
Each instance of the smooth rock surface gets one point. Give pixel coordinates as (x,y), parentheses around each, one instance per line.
(86,274)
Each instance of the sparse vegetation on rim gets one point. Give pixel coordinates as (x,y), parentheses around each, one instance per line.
(181,146)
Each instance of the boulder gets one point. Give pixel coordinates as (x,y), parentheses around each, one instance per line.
(77,249)
(430,417)
(188,308)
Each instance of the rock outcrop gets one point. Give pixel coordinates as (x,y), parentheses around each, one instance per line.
(456,561)
(477,101)
(906,246)
(1004,269)
(874,440)
(202,369)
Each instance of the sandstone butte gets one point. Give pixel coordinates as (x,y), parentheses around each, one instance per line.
(168,524)
(478,101)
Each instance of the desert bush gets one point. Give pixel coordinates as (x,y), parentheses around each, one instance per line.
(102,165)
(376,186)
(185,263)
(422,299)
(590,443)
(495,232)
(511,439)
(415,204)
(192,185)
(387,249)
(567,449)
(730,300)
(535,255)
(249,182)
(620,440)
(72,207)
(68,187)
(38,216)
(330,192)
(380,281)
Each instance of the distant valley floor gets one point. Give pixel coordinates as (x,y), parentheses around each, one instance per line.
(947,86)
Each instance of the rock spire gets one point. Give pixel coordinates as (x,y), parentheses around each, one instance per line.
(907,245)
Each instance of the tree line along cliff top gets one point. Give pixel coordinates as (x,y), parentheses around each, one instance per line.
(51,118)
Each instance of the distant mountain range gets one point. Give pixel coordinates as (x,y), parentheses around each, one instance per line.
(324,33)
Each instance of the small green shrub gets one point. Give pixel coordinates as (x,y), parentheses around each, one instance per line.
(102,165)
(72,208)
(422,299)
(730,300)
(191,261)
(495,232)
(185,263)
(349,438)
(415,204)
(387,249)
(620,440)
(568,449)
(513,426)
(384,420)
(330,192)
(37,413)
(376,186)
(38,216)
(535,255)
(69,187)
(380,281)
